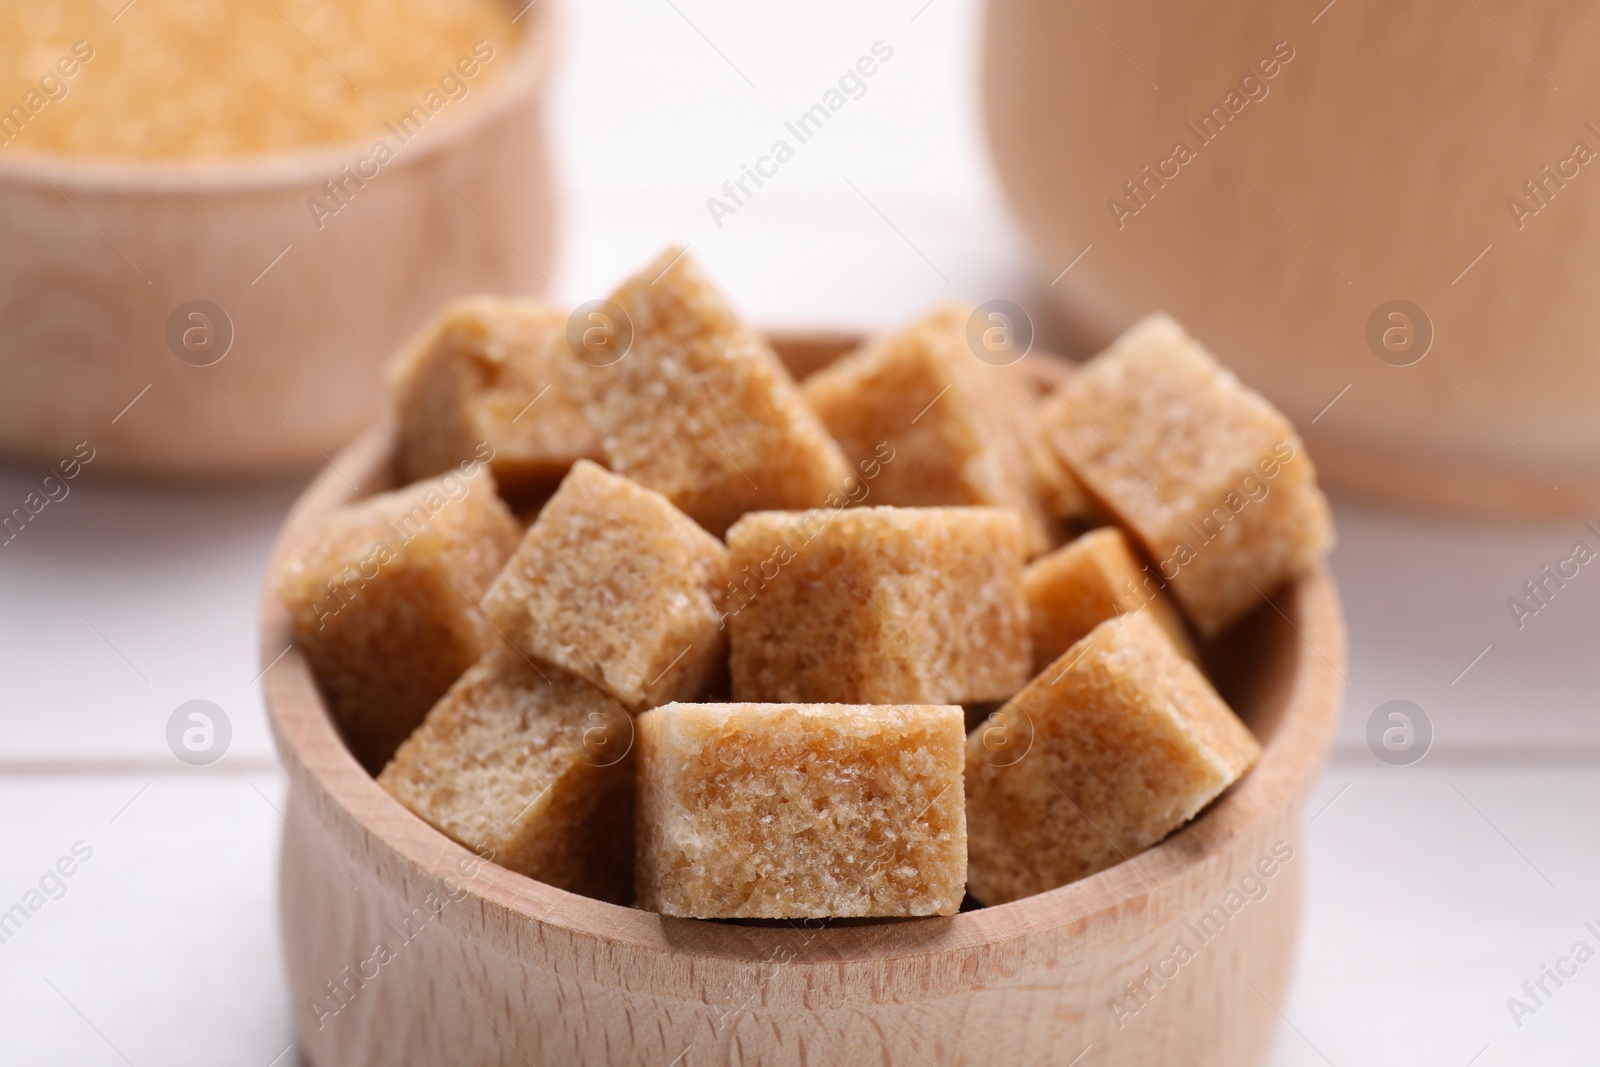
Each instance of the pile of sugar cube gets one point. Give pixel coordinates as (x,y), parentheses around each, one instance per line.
(652,622)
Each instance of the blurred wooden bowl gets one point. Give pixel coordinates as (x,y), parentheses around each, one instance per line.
(498,969)
(104,259)
(1379,163)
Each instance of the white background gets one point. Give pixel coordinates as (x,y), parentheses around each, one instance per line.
(1434,890)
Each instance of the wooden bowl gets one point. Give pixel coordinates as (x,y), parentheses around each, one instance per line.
(103,261)
(494,968)
(1381,164)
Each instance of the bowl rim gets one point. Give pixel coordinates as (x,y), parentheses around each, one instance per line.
(313,753)
(531,57)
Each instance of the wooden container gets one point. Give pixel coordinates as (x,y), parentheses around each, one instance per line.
(1380,163)
(104,260)
(498,969)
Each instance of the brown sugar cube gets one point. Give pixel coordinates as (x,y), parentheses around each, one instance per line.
(382,597)
(1115,745)
(928,423)
(615,585)
(700,409)
(878,605)
(789,811)
(1077,587)
(530,767)
(480,382)
(1210,479)
(1061,495)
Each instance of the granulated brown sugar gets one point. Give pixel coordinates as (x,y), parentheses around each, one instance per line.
(210,78)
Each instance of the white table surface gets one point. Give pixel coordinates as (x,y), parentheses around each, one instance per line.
(1434,890)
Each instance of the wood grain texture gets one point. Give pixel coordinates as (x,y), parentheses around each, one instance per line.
(511,971)
(1379,165)
(99,255)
